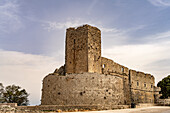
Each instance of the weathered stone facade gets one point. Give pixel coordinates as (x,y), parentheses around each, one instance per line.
(142,87)
(89,79)
(83,50)
(83,89)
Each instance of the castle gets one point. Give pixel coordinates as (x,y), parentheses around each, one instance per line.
(87,78)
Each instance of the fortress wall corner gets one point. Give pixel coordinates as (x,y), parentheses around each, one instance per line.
(94,50)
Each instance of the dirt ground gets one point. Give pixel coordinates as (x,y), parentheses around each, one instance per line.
(154,109)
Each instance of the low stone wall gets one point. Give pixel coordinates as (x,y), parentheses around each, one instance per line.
(8,104)
(141,105)
(163,102)
(70,107)
(56,108)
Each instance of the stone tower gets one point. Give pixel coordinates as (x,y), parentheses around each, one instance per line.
(83,50)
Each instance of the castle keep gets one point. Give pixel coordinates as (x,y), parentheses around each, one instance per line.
(89,79)
(83,50)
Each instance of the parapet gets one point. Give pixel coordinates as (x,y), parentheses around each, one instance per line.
(141,74)
(83,26)
(111,67)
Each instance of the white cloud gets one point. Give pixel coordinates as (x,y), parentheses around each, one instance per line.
(52,25)
(150,58)
(9,16)
(26,70)
(140,57)
(160,2)
(136,55)
(162,35)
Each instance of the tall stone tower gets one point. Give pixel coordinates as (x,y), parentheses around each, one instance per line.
(83,50)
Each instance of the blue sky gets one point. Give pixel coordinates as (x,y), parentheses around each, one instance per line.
(135,33)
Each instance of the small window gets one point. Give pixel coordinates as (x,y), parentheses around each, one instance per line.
(95,58)
(104,65)
(144,84)
(122,69)
(137,83)
(151,86)
(74,41)
(81,93)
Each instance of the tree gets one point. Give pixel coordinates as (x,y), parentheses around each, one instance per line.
(165,87)
(1,92)
(14,94)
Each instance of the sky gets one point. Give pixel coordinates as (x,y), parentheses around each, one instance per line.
(135,33)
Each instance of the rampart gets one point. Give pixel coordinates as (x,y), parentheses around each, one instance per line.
(83,89)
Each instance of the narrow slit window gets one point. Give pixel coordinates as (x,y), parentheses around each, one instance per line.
(122,69)
(74,41)
(144,84)
(104,65)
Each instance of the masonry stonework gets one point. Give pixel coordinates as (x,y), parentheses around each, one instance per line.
(83,50)
(83,89)
(89,79)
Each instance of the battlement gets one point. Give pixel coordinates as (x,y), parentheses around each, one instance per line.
(82,27)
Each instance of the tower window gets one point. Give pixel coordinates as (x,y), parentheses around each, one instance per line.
(95,58)
(137,83)
(81,93)
(144,84)
(104,65)
(122,69)
(74,41)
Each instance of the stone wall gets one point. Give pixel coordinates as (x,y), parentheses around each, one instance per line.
(137,85)
(83,89)
(156,94)
(8,104)
(76,50)
(83,49)
(142,87)
(94,50)
(164,102)
(111,67)
(66,108)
